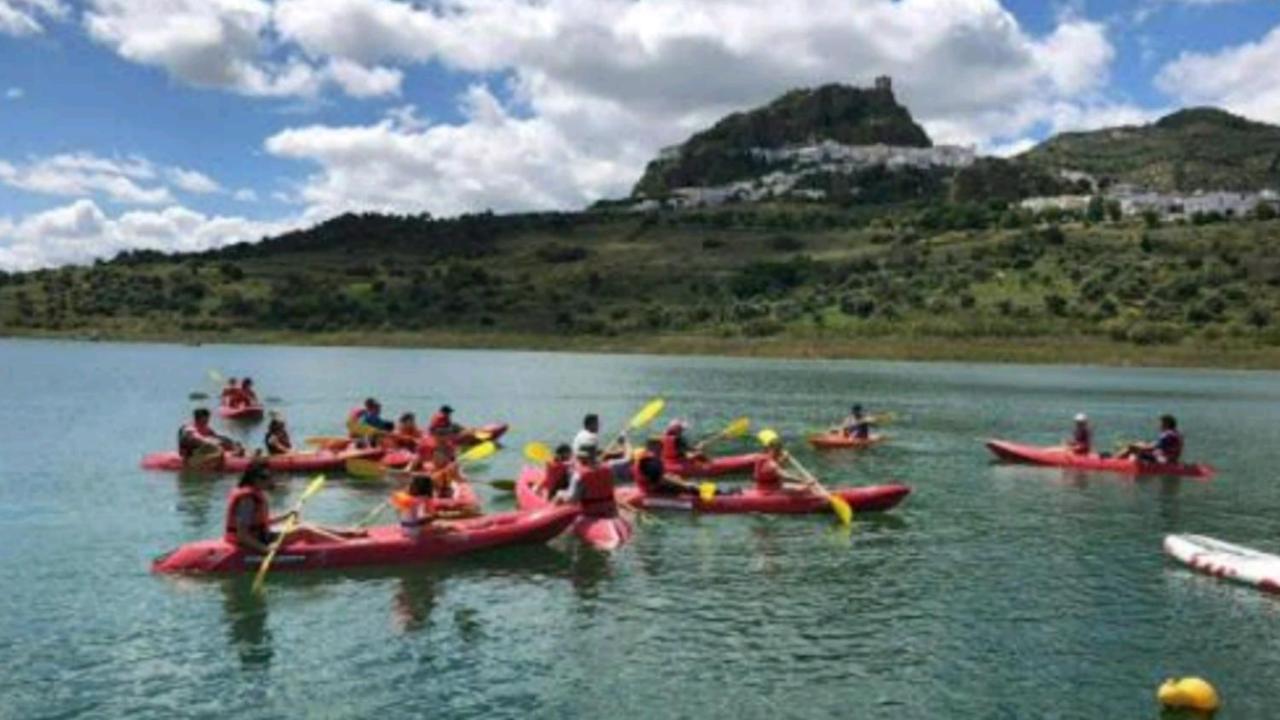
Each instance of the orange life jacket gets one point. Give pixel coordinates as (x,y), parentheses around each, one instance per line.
(261,516)
(597,491)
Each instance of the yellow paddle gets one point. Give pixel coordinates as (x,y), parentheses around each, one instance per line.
(647,414)
(707,491)
(538,452)
(374,470)
(838,504)
(735,429)
(289,526)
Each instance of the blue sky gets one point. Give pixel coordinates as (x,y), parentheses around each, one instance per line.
(179,124)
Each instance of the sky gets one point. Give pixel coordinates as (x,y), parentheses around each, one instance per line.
(188,124)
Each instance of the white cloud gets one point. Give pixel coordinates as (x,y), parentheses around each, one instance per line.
(193,181)
(81,232)
(1240,78)
(605,83)
(359,81)
(246,195)
(128,180)
(23,17)
(14,93)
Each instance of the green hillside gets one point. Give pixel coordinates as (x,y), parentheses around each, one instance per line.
(799,279)
(1195,149)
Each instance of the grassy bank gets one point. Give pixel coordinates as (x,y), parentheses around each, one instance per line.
(1065,350)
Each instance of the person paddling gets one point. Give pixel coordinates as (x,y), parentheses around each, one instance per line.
(407,434)
(249,518)
(588,435)
(675,444)
(1081,442)
(592,483)
(1167,448)
(231,393)
(199,445)
(770,476)
(416,506)
(277,438)
(247,397)
(650,473)
(857,425)
(364,421)
(555,475)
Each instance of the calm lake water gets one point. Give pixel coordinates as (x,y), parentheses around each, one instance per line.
(993,592)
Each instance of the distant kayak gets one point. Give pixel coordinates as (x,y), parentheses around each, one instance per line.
(247,413)
(385,545)
(873,498)
(601,533)
(713,467)
(840,441)
(301,462)
(1224,560)
(1061,457)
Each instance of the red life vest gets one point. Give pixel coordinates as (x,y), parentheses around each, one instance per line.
(261,517)
(766,476)
(597,491)
(555,477)
(440,421)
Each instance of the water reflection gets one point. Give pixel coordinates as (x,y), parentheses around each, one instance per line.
(411,606)
(246,616)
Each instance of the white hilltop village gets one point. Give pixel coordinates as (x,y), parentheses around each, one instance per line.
(792,164)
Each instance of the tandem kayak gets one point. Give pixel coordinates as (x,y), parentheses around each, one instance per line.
(247,413)
(873,498)
(302,462)
(1224,560)
(1061,457)
(384,545)
(608,533)
(713,467)
(838,440)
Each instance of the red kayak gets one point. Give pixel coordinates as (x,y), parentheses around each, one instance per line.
(713,467)
(384,545)
(840,441)
(874,498)
(246,413)
(1061,457)
(600,533)
(302,462)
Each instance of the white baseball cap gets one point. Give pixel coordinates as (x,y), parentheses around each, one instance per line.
(1080,417)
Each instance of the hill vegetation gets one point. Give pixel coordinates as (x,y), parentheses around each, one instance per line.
(1195,149)
(800,278)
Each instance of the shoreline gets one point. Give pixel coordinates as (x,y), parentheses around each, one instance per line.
(1073,350)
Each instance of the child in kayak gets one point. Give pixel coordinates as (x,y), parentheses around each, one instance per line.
(857,425)
(249,518)
(676,447)
(231,393)
(365,422)
(651,476)
(1081,441)
(417,509)
(770,476)
(1166,450)
(277,439)
(247,397)
(199,445)
(592,482)
(555,476)
(407,435)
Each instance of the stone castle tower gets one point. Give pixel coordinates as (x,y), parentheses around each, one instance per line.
(884,83)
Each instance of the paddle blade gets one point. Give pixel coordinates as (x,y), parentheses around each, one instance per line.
(647,414)
(737,428)
(198,396)
(323,441)
(538,452)
(503,485)
(707,491)
(216,376)
(482,435)
(766,437)
(479,452)
(842,510)
(368,469)
(312,489)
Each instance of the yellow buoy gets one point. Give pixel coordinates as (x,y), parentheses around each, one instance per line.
(1191,693)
